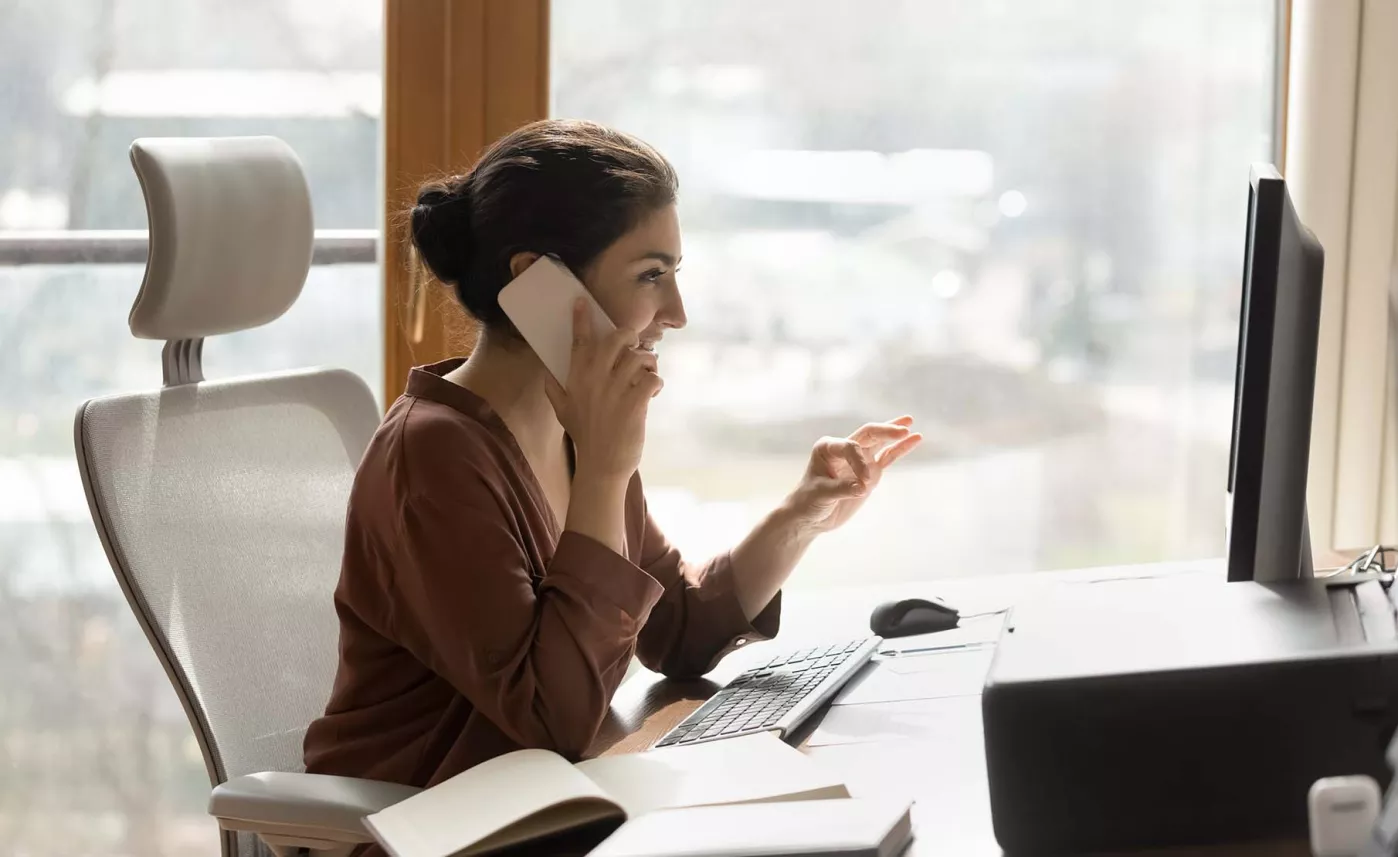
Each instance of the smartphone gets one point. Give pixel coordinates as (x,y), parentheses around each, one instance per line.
(540,303)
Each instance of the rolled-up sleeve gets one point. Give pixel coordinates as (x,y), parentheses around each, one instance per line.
(541,659)
(698,618)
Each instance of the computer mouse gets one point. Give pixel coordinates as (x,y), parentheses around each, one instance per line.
(912,616)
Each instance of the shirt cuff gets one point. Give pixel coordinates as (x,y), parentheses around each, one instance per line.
(602,571)
(730,626)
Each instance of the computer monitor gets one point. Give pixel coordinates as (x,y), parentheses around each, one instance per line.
(1268,533)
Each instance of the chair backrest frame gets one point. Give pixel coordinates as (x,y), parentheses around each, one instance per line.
(175,478)
(135,598)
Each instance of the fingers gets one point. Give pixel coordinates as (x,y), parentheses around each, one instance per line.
(830,489)
(646,385)
(639,370)
(582,326)
(836,449)
(598,354)
(898,450)
(893,439)
(854,454)
(877,434)
(611,348)
(634,361)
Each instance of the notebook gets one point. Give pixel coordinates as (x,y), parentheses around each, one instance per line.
(531,795)
(819,828)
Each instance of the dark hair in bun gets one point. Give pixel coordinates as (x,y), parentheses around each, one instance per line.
(441,225)
(565,187)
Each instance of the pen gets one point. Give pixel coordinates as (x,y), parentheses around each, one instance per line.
(947,648)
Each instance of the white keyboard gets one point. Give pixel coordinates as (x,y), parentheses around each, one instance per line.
(777,696)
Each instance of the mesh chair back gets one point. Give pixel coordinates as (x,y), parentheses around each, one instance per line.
(222,509)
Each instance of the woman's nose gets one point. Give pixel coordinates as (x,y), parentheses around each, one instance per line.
(671,313)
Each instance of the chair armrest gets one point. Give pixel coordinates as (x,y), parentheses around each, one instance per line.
(310,808)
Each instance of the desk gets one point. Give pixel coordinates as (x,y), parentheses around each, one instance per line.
(945,773)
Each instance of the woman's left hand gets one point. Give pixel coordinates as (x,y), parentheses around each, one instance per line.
(845,470)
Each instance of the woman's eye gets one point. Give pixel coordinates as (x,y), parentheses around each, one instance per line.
(653,275)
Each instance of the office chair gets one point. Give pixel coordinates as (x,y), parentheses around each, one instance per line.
(221,504)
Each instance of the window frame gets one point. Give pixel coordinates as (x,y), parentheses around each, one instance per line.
(1342,171)
(129,247)
(458,74)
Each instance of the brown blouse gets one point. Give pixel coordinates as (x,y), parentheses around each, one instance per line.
(472,625)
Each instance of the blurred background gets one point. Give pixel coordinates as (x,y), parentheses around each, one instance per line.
(1019,221)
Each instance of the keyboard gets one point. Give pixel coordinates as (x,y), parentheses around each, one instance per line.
(777,696)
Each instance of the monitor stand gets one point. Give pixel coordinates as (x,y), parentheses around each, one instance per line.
(1306,568)
(1305,562)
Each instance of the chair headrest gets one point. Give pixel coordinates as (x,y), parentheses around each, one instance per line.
(231,234)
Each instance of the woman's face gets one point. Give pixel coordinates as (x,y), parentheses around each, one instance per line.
(634,278)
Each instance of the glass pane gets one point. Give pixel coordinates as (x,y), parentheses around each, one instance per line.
(80,79)
(97,755)
(1019,221)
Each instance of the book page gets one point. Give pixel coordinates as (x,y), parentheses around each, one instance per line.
(825,827)
(559,818)
(749,769)
(504,801)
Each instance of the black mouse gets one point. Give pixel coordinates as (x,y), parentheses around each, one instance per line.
(912,616)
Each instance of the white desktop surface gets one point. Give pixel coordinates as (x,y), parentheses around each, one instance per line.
(926,750)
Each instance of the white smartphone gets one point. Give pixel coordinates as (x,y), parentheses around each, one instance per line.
(540,303)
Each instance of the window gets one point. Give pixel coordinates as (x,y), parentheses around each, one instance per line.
(96,757)
(1020,221)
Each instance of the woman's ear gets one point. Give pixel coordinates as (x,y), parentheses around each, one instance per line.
(521,261)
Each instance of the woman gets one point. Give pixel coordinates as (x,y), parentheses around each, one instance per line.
(500,566)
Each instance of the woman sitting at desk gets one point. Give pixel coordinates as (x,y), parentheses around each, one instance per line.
(500,566)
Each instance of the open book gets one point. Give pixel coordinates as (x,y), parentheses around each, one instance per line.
(530,795)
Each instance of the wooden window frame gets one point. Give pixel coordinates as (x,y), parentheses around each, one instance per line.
(458,74)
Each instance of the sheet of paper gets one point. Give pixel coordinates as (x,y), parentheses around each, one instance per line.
(981,629)
(944,775)
(915,720)
(922,662)
(922,676)
(747,769)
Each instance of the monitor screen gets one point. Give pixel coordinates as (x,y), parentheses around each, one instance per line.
(1274,387)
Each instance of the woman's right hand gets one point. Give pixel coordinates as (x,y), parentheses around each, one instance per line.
(603,409)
